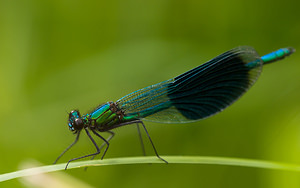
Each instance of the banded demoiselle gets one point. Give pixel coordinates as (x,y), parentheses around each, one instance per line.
(191,96)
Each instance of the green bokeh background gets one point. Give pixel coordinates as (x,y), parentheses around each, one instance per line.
(59,55)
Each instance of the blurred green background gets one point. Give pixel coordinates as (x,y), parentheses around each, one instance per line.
(59,55)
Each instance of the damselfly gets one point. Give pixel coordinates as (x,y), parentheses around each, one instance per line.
(191,96)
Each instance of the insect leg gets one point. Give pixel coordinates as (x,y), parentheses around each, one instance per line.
(141,139)
(141,122)
(112,134)
(95,144)
(106,142)
(76,139)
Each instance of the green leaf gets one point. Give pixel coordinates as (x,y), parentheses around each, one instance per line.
(153,159)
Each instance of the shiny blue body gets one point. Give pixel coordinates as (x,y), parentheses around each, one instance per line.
(191,96)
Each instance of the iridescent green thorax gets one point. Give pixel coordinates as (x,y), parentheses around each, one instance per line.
(106,117)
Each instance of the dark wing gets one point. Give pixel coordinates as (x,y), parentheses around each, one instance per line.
(198,93)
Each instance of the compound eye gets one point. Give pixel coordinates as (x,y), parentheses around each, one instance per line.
(71,127)
(74,114)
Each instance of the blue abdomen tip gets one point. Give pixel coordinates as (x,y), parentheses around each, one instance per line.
(288,51)
(277,55)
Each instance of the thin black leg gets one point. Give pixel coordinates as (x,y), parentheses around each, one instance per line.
(95,144)
(76,139)
(132,122)
(141,139)
(106,142)
(112,134)
(141,122)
